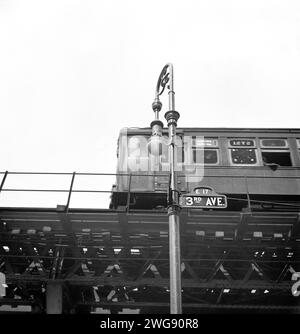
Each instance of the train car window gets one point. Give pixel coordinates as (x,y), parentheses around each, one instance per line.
(298,142)
(135,155)
(165,154)
(206,156)
(137,146)
(272,142)
(179,151)
(180,155)
(280,158)
(243,156)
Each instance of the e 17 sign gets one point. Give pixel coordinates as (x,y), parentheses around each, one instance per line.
(203,197)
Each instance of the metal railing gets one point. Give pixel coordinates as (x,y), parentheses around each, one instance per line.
(129,191)
(70,190)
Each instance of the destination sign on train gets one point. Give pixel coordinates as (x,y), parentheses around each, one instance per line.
(241,142)
(203,198)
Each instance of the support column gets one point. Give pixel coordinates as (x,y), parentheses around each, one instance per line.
(54,298)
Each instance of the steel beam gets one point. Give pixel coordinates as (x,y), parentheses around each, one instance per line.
(155,282)
(54,297)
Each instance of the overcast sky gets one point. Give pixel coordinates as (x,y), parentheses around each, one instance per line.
(73,73)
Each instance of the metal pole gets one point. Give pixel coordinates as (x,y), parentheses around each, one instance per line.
(166,77)
(174,223)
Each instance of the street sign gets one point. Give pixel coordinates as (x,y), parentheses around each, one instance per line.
(203,197)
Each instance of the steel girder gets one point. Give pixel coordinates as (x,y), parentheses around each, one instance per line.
(113,258)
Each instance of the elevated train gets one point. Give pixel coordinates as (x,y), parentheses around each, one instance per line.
(257,169)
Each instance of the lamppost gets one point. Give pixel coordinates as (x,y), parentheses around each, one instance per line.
(155,147)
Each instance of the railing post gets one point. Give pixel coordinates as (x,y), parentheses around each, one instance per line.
(3,180)
(128,194)
(70,192)
(248,195)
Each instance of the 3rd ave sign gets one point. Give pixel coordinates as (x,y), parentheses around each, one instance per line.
(203,197)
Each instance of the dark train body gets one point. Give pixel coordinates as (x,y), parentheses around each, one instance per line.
(255,168)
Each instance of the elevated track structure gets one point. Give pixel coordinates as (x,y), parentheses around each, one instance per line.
(78,260)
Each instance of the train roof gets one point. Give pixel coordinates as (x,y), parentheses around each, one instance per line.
(223,130)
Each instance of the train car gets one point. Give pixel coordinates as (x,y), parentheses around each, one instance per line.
(257,169)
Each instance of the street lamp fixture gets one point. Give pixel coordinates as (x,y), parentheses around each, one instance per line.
(156,142)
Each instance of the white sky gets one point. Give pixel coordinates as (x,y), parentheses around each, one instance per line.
(72,73)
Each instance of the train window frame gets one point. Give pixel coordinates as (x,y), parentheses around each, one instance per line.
(143,150)
(274,146)
(180,148)
(277,151)
(216,149)
(253,147)
(232,163)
